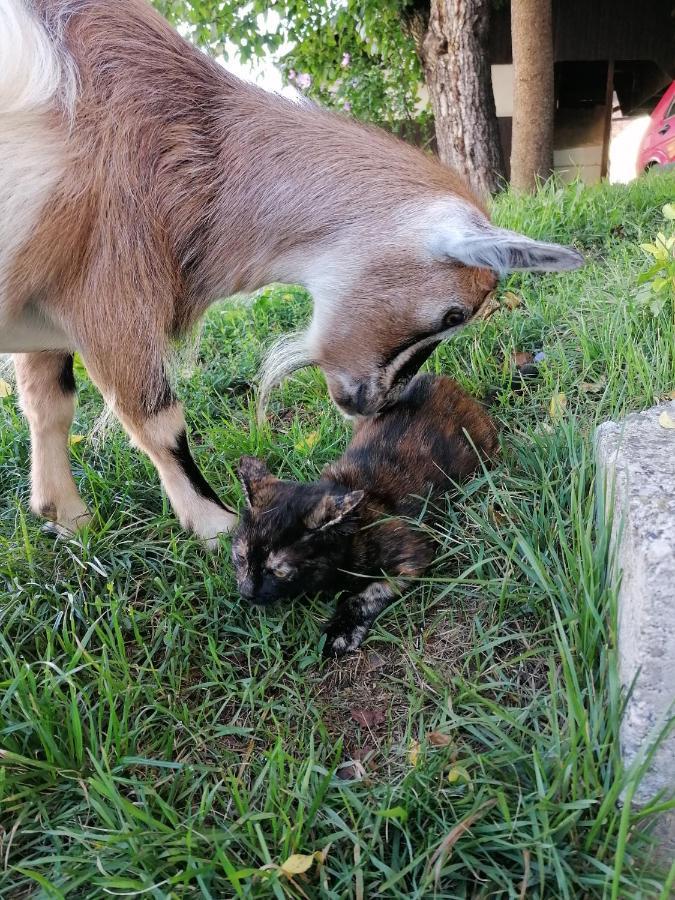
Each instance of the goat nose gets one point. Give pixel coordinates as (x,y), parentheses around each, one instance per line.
(355,403)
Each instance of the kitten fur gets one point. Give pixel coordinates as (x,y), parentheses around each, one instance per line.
(347,532)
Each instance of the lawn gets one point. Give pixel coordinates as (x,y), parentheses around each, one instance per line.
(161,739)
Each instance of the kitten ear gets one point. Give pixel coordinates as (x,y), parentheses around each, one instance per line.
(252,471)
(332,508)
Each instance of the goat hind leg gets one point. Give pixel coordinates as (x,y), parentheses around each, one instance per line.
(47,394)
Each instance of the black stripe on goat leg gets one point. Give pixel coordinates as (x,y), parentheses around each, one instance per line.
(141,396)
(183,456)
(162,398)
(66,378)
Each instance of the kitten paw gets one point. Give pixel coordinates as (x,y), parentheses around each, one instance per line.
(341,640)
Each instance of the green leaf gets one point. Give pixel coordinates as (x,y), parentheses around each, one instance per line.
(394,812)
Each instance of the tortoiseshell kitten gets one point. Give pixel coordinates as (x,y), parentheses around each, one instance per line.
(346,531)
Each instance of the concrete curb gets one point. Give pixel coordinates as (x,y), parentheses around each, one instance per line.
(636,468)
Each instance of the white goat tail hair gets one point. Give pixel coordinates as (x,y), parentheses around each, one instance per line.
(287,354)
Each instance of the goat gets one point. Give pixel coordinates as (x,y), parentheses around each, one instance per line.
(140,181)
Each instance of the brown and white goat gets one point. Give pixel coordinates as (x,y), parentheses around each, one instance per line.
(139,182)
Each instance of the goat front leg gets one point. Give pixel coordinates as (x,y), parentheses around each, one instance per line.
(141,397)
(354,616)
(47,394)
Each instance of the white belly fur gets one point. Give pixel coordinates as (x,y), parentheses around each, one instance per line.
(31,332)
(32,154)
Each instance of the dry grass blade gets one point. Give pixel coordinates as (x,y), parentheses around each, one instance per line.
(526,874)
(489,307)
(449,841)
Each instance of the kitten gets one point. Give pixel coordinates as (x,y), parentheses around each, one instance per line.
(346,531)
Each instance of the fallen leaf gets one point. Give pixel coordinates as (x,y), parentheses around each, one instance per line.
(438,739)
(511,301)
(374,661)
(413,752)
(557,407)
(523,358)
(296,864)
(308,442)
(321,855)
(669,211)
(5,389)
(368,717)
(666,420)
(453,836)
(348,773)
(497,516)
(594,387)
(75,439)
(457,773)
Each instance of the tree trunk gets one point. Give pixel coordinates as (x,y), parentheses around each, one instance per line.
(457,71)
(533,92)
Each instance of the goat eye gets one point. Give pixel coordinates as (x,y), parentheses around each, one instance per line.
(454,316)
(282,572)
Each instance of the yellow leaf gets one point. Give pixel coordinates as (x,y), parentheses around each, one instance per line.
(511,300)
(5,388)
(75,439)
(669,211)
(296,864)
(413,752)
(458,772)
(666,420)
(308,442)
(557,407)
(321,855)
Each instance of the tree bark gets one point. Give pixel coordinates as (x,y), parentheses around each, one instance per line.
(533,92)
(457,71)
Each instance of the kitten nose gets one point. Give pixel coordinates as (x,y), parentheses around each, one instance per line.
(247,589)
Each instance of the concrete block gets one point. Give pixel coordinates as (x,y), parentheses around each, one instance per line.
(636,462)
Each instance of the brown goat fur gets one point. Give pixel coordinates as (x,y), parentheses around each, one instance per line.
(142,182)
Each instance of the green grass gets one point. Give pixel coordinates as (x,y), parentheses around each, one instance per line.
(161,739)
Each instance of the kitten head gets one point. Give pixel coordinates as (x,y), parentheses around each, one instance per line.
(292,537)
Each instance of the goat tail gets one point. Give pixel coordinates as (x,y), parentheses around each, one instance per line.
(286,355)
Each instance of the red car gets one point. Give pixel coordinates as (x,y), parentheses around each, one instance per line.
(657,147)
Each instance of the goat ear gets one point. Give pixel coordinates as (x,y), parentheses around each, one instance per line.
(504,251)
(332,509)
(252,472)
